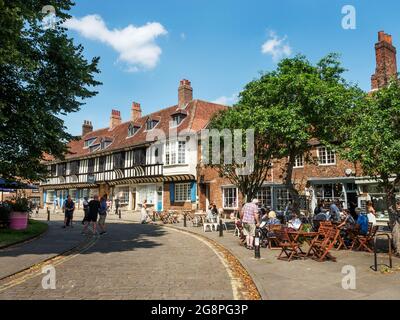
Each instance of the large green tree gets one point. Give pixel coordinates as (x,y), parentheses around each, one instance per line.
(374,139)
(292,105)
(43,75)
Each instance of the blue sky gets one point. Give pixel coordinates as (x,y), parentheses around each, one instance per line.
(215,44)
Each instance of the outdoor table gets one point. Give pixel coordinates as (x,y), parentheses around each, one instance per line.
(307,236)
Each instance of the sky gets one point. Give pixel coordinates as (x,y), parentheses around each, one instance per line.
(147,47)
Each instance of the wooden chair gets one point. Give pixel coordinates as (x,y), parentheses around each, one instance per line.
(288,247)
(273,242)
(321,246)
(363,242)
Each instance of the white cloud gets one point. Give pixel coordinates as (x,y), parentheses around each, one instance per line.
(276,47)
(135,45)
(183,36)
(227,101)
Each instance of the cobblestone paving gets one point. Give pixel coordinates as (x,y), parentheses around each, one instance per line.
(135,262)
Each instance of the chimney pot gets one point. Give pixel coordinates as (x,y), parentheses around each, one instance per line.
(136,112)
(386,63)
(185,93)
(87,127)
(115,119)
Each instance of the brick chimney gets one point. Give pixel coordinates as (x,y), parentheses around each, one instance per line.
(386,65)
(87,127)
(136,112)
(115,119)
(185,93)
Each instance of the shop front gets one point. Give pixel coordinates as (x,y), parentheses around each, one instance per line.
(330,190)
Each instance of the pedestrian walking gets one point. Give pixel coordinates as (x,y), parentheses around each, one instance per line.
(93,212)
(85,204)
(55,205)
(68,208)
(250,220)
(144,215)
(103,214)
(116,205)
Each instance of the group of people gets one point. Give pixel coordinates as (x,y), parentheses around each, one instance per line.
(348,217)
(95,212)
(252,217)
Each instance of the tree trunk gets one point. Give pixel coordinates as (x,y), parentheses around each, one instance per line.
(394,220)
(289,184)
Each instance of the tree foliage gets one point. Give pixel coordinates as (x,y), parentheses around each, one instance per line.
(373,139)
(42,75)
(290,106)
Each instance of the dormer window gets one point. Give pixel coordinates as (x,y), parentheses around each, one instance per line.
(177,119)
(132,129)
(151,124)
(105,142)
(89,142)
(95,148)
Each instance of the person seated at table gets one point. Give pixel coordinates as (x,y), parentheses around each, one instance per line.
(212,212)
(269,219)
(295,222)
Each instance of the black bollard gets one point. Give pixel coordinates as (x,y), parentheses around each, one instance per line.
(184,220)
(257,251)
(48,214)
(119,213)
(221,229)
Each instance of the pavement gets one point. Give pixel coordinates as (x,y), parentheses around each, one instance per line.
(309,279)
(131,261)
(136,261)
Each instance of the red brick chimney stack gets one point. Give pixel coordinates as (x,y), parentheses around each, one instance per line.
(185,93)
(115,119)
(386,64)
(136,112)
(87,127)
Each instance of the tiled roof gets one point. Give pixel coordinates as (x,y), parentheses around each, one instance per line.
(199,114)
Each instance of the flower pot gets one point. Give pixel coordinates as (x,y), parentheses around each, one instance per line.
(18,220)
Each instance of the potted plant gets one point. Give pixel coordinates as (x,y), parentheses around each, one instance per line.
(19,213)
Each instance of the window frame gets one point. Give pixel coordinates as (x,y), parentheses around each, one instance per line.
(299,162)
(324,150)
(183,197)
(236,204)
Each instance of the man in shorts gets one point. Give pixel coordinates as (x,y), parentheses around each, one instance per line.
(250,220)
(93,212)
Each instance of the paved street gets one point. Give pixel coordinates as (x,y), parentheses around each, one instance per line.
(131,262)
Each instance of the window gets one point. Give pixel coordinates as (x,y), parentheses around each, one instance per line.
(89,142)
(123,195)
(167,153)
(326,156)
(175,152)
(181,152)
(299,162)
(177,119)
(182,192)
(132,129)
(265,197)
(151,124)
(94,148)
(105,142)
(230,200)
(283,198)
(329,192)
